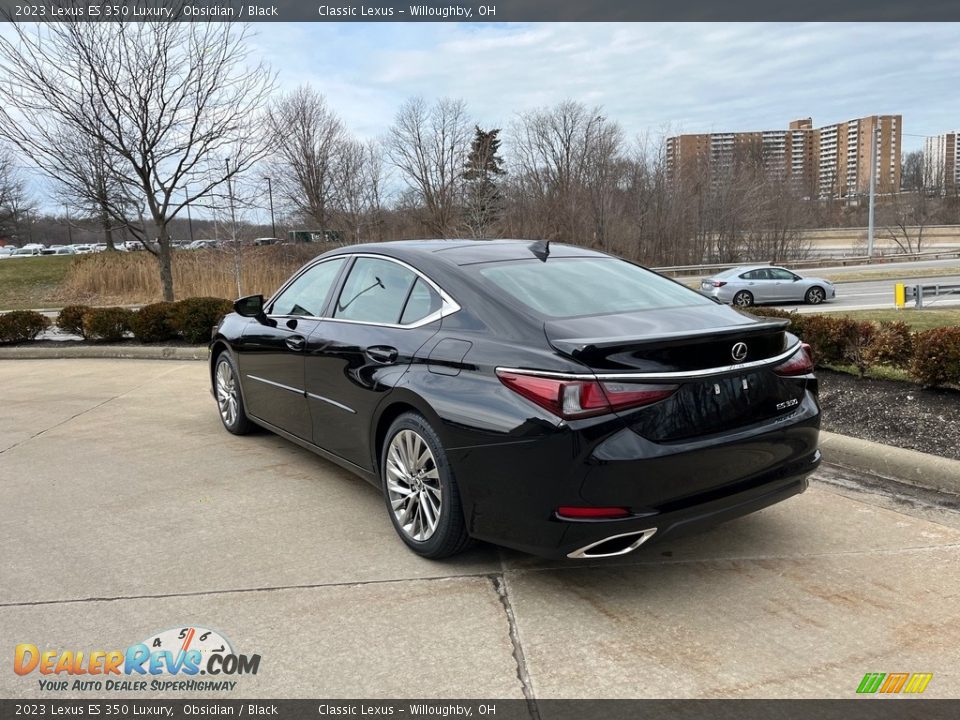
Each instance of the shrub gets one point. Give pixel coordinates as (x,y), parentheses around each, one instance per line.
(109,323)
(859,336)
(827,336)
(195,317)
(892,344)
(936,356)
(795,318)
(154,323)
(21,325)
(70,319)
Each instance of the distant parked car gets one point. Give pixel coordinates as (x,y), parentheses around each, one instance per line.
(265,241)
(7,250)
(202,245)
(59,250)
(754,285)
(26,252)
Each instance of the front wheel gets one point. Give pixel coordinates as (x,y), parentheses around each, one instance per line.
(226,385)
(422,496)
(815,296)
(743,299)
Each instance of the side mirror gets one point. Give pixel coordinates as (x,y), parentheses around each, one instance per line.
(250,306)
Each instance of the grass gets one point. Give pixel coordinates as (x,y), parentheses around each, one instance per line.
(32,282)
(134,278)
(917,319)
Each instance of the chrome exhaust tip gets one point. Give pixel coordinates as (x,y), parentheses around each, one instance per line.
(613,545)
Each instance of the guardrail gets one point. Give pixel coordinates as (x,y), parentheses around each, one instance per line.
(711,269)
(917,293)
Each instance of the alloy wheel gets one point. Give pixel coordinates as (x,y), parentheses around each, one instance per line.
(227,393)
(413,485)
(743,299)
(815,296)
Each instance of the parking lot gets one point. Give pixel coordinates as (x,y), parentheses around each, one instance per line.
(125,510)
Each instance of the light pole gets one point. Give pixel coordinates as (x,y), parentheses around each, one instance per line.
(186,193)
(873,188)
(273,224)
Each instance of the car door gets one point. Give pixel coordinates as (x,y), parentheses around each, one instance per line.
(271,351)
(752,281)
(788,288)
(383,315)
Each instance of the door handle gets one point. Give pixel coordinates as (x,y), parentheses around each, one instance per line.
(295,342)
(383,354)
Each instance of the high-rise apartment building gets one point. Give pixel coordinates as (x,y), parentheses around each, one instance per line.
(832,161)
(942,159)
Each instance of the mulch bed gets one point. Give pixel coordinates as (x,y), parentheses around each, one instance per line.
(893,413)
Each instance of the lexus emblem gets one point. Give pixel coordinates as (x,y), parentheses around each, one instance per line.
(739,352)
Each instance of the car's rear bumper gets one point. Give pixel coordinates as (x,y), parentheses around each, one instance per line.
(511,492)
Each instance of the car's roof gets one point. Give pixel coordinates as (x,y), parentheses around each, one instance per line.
(468,252)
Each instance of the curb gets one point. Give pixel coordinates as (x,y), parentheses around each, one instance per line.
(136,352)
(906,466)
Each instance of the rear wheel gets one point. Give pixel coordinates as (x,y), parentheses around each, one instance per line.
(421,493)
(815,295)
(226,385)
(743,299)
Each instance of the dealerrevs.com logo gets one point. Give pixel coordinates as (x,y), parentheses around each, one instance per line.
(171,660)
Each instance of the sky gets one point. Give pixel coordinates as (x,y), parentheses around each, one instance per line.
(652,78)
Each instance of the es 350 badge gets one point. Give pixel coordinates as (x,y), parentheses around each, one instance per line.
(184,651)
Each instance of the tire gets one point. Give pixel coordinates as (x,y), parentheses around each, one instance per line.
(744,298)
(226,388)
(421,493)
(815,295)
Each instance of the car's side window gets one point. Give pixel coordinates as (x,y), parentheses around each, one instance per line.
(375,291)
(781,274)
(423,302)
(307,294)
(752,275)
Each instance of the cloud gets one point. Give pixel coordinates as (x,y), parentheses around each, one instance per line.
(686,77)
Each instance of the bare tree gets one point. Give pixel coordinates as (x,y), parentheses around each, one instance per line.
(428,145)
(358,182)
(907,213)
(168,100)
(14,203)
(308,139)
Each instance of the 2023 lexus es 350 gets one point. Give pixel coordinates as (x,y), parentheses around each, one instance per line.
(543,397)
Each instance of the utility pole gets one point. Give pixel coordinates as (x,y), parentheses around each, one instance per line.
(186,192)
(873,187)
(233,232)
(66,211)
(273,224)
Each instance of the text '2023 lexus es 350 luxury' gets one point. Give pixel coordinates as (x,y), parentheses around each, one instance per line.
(543,397)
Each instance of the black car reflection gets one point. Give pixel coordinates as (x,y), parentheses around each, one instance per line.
(540,396)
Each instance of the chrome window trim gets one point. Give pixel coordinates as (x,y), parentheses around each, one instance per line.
(660,376)
(448,306)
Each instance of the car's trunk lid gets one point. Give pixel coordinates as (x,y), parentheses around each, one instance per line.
(719,390)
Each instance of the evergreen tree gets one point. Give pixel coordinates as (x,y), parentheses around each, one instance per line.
(483,168)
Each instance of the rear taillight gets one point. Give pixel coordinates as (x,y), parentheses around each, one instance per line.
(583,398)
(800,363)
(719,283)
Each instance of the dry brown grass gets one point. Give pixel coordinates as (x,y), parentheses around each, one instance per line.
(134,278)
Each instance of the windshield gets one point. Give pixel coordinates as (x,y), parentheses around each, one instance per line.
(570,287)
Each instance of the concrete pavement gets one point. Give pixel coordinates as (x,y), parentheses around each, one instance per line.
(125,509)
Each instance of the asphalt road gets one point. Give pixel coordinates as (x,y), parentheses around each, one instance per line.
(125,509)
(874,294)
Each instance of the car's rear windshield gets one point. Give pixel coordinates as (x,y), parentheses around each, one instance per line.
(570,287)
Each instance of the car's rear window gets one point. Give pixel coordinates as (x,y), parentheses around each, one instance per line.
(570,287)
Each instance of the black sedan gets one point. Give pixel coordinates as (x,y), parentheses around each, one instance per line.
(539,396)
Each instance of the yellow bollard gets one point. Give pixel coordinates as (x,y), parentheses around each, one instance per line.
(900,295)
